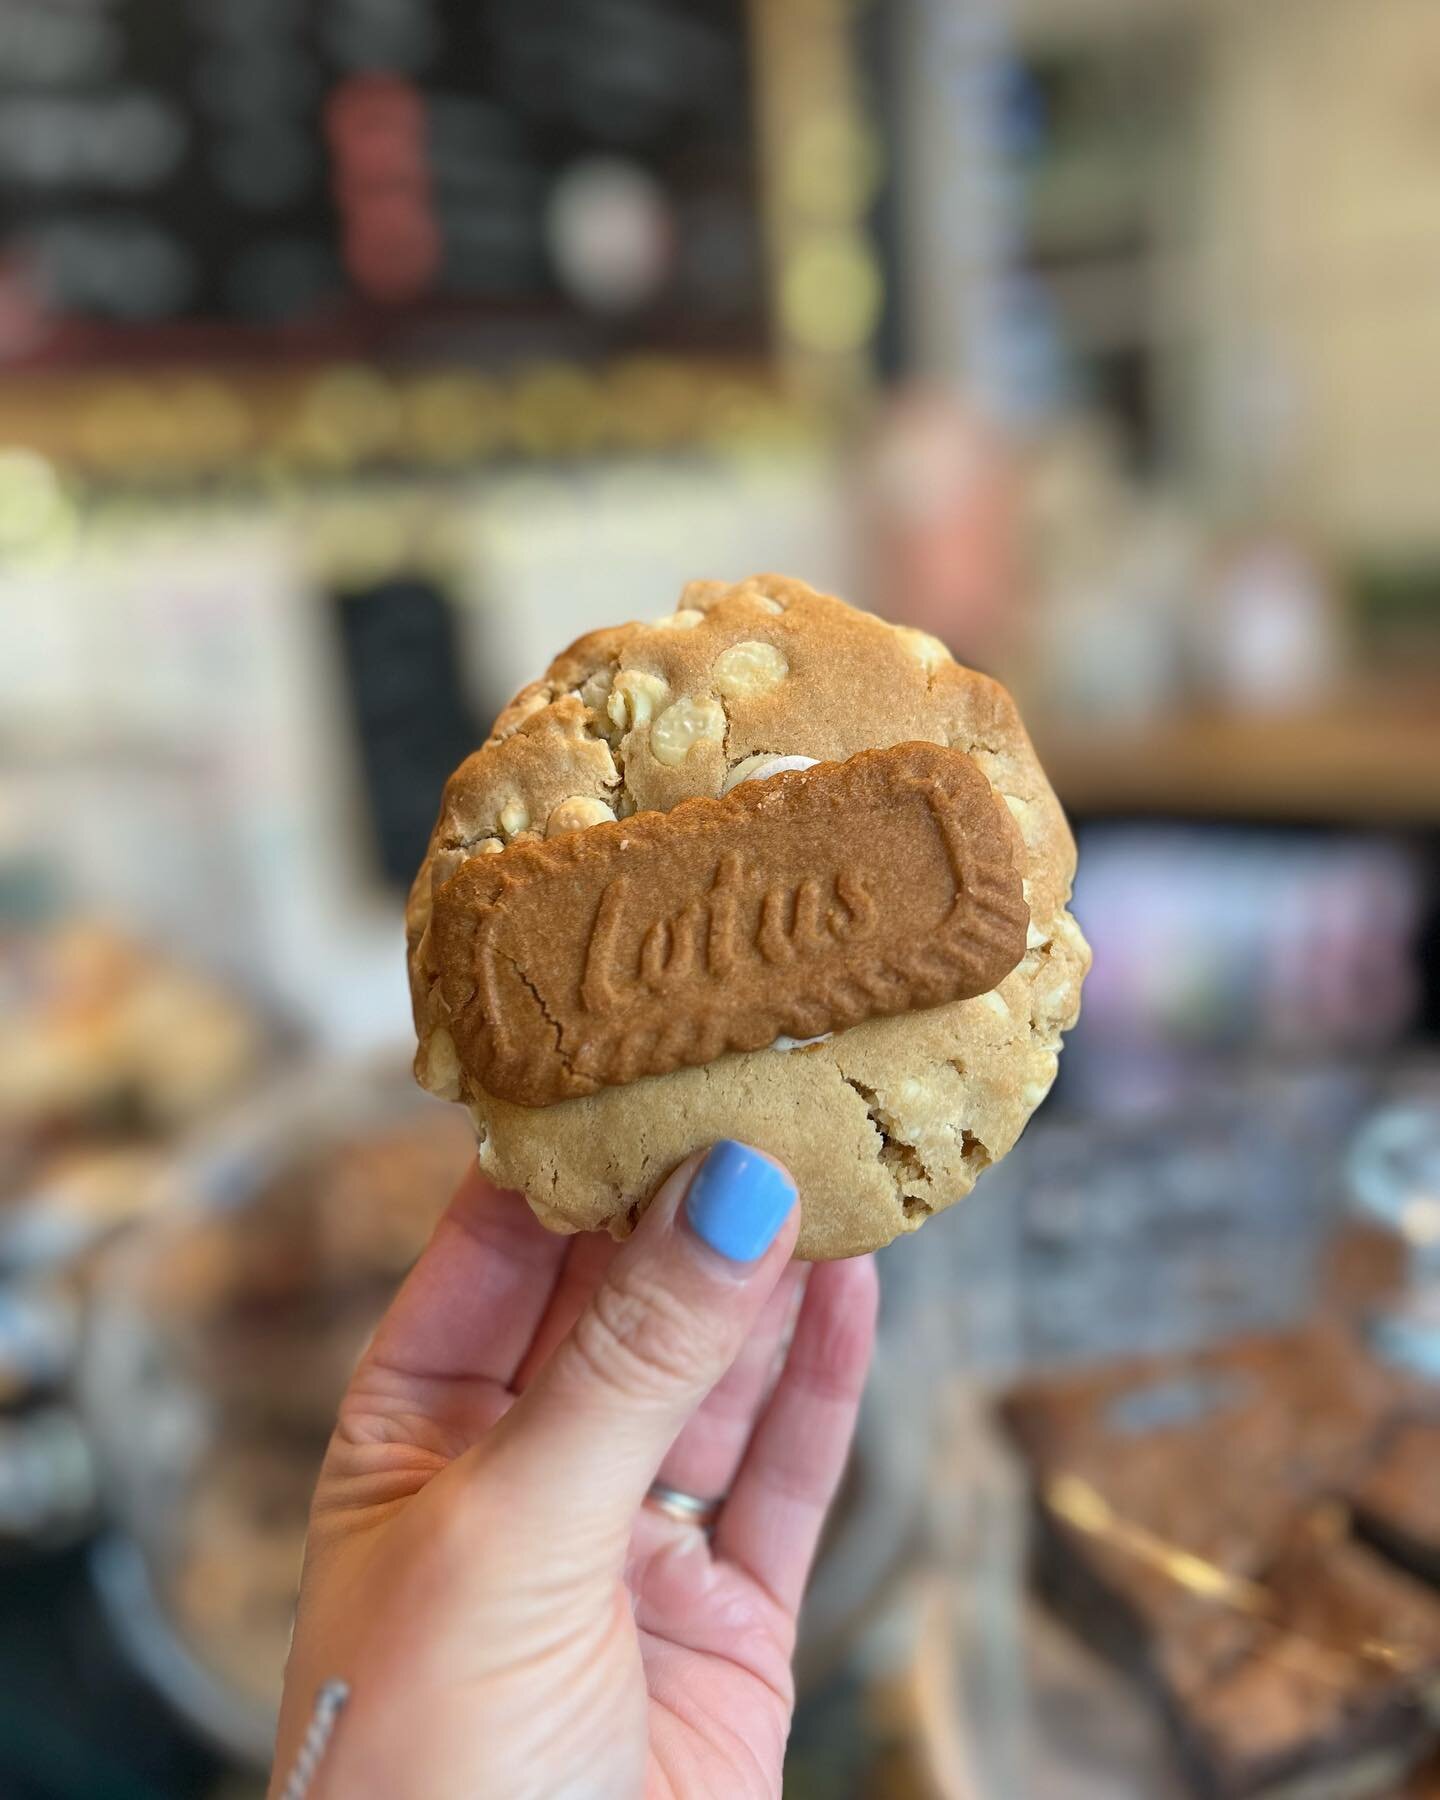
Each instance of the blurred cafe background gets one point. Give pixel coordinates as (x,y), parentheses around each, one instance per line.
(355,355)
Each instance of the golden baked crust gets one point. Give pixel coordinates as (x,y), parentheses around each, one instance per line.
(882,1124)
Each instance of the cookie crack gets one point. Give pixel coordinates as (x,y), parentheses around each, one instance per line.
(596,722)
(545,695)
(466,841)
(901,1161)
(973,1151)
(973,746)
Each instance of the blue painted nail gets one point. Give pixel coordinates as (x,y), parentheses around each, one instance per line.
(738,1201)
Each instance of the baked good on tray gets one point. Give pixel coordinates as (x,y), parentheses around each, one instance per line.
(1396,1498)
(767,868)
(1191,1522)
(1320,1682)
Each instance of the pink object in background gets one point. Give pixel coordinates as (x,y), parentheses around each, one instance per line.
(940,506)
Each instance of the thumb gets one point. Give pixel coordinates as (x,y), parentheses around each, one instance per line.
(584,1442)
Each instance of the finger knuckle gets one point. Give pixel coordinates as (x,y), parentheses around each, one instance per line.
(640,1339)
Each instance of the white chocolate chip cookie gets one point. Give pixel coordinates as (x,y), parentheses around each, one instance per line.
(882,1124)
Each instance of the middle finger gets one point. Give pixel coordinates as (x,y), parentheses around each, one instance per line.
(703,1459)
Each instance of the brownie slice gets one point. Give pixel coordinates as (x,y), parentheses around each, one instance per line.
(1327,1691)
(1314,1677)
(1424,1783)
(1217,1447)
(1177,1502)
(1396,1501)
(1364,1267)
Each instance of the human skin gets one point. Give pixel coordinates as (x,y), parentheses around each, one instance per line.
(482,1571)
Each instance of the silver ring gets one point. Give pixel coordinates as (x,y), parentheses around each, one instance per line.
(685,1509)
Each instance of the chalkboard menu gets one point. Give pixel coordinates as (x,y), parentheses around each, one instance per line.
(428,179)
(413,725)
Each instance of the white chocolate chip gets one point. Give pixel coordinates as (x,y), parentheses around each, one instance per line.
(490,847)
(684,725)
(763,765)
(685,620)
(928,651)
(1069,931)
(576,814)
(1034,1092)
(766,604)
(1035,938)
(442,1065)
(996,1003)
(514,817)
(1024,816)
(595,690)
(748,669)
(635,698)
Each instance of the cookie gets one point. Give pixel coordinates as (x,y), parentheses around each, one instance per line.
(797,906)
(744,724)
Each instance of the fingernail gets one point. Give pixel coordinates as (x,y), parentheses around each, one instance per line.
(738,1201)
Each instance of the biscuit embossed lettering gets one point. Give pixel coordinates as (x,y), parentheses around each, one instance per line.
(791,907)
(718,933)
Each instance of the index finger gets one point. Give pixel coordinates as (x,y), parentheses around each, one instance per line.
(470,1306)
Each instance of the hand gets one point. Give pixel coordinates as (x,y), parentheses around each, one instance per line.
(510,1617)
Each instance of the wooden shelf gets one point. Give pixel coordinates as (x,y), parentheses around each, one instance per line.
(1363,760)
